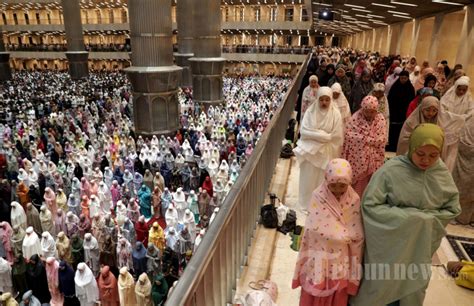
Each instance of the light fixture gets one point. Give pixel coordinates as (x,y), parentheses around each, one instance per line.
(403,3)
(375,16)
(400,16)
(398,13)
(361,10)
(384,5)
(447,2)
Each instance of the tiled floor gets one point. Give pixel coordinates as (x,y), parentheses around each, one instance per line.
(442,290)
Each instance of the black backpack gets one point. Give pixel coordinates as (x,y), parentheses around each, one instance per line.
(287,151)
(289,224)
(268,214)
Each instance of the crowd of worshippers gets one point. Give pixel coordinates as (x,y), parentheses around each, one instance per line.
(355,107)
(90,211)
(372,91)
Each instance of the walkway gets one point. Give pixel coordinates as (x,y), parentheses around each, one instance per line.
(442,291)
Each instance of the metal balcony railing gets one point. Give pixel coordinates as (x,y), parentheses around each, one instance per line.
(263,49)
(211,274)
(251,49)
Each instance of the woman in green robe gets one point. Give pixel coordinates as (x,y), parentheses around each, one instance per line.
(405,209)
(77,250)
(159,290)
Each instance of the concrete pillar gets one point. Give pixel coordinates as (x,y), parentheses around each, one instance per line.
(328,41)
(435,38)
(76,53)
(5,70)
(207,63)
(389,40)
(374,37)
(154,77)
(399,38)
(414,36)
(185,22)
(364,40)
(466,41)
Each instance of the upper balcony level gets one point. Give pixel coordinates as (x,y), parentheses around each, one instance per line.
(46,15)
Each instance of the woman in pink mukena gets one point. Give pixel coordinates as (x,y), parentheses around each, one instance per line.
(364,143)
(328,267)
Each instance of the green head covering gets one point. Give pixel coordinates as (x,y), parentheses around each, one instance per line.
(426,134)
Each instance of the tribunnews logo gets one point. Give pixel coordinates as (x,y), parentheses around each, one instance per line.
(333,267)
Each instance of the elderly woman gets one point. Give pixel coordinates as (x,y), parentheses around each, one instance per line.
(429,112)
(412,196)
(341,78)
(455,74)
(458,98)
(340,100)
(364,143)
(321,141)
(362,87)
(309,95)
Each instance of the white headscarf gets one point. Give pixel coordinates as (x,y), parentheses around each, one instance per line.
(31,244)
(90,244)
(321,132)
(17,215)
(391,79)
(458,105)
(341,102)
(86,285)
(48,245)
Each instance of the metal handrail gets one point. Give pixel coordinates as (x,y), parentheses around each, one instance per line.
(212,272)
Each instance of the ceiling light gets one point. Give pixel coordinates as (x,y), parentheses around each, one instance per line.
(400,16)
(323,4)
(384,5)
(375,16)
(403,3)
(447,2)
(398,13)
(378,21)
(361,10)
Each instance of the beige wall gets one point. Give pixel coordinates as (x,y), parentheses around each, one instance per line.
(406,39)
(449,33)
(424,39)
